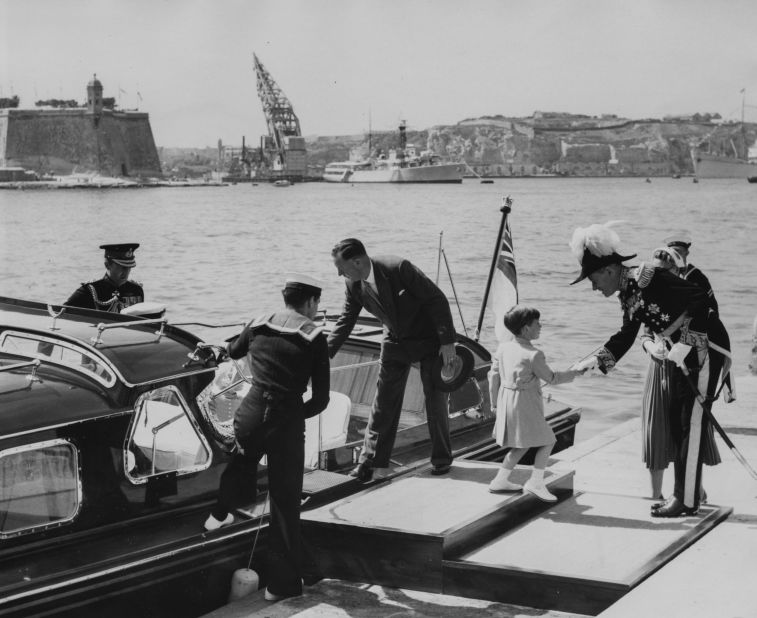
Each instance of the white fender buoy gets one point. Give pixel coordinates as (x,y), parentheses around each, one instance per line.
(243,582)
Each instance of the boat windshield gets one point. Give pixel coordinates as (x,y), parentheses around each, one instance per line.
(57,352)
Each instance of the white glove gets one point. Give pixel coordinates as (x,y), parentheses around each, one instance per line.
(678,353)
(656,348)
(587,363)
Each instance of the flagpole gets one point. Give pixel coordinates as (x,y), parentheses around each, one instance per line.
(505,210)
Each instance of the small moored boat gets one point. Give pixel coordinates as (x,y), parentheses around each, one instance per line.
(114,431)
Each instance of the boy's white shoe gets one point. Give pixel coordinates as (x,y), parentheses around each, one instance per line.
(211,523)
(502,483)
(539,490)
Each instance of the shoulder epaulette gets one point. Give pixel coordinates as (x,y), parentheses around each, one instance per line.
(643,275)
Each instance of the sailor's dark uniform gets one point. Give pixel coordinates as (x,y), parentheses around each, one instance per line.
(693,274)
(285,350)
(679,311)
(104,295)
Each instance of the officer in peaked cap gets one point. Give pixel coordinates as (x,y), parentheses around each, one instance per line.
(286,350)
(114,292)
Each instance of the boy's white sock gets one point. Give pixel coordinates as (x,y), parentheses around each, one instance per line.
(537,476)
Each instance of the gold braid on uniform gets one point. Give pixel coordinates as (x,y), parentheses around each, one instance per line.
(644,274)
(102,303)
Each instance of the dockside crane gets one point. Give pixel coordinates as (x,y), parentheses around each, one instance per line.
(284,147)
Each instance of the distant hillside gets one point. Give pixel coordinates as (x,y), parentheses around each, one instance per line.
(558,143)
(545,143)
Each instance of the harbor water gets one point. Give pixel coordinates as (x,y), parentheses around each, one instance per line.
(218,254)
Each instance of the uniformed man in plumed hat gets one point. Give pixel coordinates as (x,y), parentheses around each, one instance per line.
(677,311)
(114,292)
(286,350)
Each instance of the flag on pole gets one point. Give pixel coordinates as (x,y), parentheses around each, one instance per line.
(504,288)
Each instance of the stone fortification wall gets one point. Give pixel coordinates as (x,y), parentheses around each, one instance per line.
(74,140)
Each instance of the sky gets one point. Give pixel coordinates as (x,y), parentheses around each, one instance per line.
(350,65)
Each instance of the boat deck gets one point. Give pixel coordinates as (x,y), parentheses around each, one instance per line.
(596,552)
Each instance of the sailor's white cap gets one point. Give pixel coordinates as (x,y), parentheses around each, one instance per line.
(302,281)
(145,310)
(679,237)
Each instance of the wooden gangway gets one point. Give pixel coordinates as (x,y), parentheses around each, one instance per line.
(450,535)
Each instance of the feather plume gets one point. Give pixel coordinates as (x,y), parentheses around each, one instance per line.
(599,239)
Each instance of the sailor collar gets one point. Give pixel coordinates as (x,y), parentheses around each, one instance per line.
(289,323)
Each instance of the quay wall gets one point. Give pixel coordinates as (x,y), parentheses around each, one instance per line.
(67,141)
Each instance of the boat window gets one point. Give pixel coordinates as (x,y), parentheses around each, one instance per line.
(39,487)
(164,438)
(58,352)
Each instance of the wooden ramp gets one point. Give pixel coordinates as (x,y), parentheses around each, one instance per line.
(398,533)
(448,534)
(581,555)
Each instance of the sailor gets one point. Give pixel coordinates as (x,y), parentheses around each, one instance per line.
(678,311)
(680,241)
(286,350)
(114,292)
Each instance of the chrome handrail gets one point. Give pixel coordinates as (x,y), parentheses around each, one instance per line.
(34,364)
(96,340)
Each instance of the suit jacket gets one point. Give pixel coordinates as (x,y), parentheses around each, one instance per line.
(414,311)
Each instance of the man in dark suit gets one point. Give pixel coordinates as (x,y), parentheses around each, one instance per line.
(417,328)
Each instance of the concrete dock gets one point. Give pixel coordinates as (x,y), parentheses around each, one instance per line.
(710,578)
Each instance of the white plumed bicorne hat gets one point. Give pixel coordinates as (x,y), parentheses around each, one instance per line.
(594,247)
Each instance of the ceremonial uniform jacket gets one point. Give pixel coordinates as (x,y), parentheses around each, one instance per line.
(285,350)
(414,311)
(103,295)
(668,306)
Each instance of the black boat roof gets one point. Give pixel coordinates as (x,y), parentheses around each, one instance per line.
(106,353)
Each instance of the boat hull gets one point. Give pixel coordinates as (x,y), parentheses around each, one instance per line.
(714,166)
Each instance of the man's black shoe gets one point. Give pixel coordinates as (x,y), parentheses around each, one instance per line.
(674,508)
(362,472)
(440,469)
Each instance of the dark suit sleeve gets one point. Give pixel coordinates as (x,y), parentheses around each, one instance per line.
(320,379)
(431,298)
(346,321)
